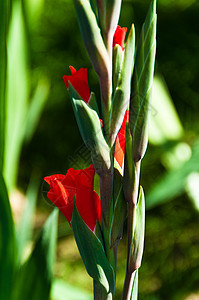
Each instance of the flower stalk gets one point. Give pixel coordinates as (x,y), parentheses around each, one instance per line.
(117,140)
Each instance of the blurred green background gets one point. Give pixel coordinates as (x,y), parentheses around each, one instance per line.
(43,40)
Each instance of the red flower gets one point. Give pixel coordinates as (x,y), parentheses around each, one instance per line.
(79,81)
(120,144)
(63,188)
(119,36)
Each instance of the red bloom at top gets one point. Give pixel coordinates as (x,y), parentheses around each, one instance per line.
(119,36)
(120,144)
(79,81)
(63,189)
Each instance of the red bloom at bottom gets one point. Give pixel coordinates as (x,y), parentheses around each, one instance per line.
(63,189)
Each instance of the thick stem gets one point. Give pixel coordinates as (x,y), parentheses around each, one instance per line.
(128,284)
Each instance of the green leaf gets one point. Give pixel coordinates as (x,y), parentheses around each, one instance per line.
(7,243)
(36,106)
(122,92)
(137,243)
(134,294)
(142,84)
(164,123)
(4,12)
(62,291)
(93,254)
(35,276)
(91,132)
(24,229)
(17,94)
(175,179)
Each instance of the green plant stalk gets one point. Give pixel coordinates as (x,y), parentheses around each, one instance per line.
(130,270)
(106,192)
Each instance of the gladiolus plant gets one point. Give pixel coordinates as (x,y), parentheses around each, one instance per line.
(116,134)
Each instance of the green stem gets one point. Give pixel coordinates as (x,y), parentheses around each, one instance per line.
(130,270)
(106,187)
(128,284)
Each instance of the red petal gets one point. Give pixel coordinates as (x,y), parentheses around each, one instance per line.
(81,183)
(73,70)
(79,81)
(119,36)
(48,179)
(120,143)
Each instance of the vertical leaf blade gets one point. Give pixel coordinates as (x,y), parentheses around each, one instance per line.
(16,93)
(24,230)
(37,272)
(7,243)
(4,11)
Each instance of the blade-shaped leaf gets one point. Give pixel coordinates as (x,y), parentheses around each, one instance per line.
(24,229)
(93,254)
(62,291)
(142,84)
(17,93)
(35,276)
(175,179)
(36,106)
(7,243)
(4,12)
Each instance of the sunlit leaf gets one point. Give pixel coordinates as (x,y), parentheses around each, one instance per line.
(17,94)
(34,279)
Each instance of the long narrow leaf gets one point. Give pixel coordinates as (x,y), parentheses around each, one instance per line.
(35,277)
(4,11)
(24,230)
(93,254)
(17,94)
(7,243)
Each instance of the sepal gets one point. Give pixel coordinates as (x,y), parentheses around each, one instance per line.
(142,84)
(122,92)
(93,103)
(92,38)
(118,55)
(129,168)
(93,254)
(137,243)
(91,131)
(120,211)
